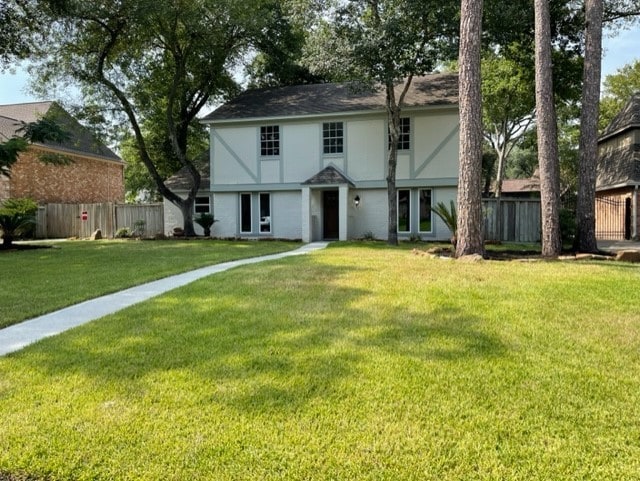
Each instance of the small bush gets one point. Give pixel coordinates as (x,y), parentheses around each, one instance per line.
(138,228)
(123,233)
(17,219)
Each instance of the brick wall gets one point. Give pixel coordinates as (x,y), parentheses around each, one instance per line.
(86,180)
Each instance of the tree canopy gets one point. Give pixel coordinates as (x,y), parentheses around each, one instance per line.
(145,60)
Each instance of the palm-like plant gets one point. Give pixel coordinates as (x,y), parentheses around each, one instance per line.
(205,221)
(17,216)
(449,216)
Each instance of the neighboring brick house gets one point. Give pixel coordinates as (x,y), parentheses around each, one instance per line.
(618,175)
(96,174)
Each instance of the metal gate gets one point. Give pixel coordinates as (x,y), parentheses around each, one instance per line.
(613,218)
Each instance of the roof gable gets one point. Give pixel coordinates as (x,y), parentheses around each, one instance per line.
(627,118)
(331,98)
(81,140)
(330,175)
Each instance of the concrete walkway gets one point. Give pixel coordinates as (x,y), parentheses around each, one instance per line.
(14,338)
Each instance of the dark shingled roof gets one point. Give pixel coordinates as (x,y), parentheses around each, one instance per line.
(329,98)
(627,118)
(620,166)
(81,141)
(330,175)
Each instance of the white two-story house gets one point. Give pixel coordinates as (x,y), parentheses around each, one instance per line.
(309,162)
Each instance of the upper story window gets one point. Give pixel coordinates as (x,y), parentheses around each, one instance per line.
(404,134)
(269,140)
(332,137)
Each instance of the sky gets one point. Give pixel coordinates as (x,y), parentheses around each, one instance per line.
(619,50)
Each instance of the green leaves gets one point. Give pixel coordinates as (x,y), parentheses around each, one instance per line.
(17,216)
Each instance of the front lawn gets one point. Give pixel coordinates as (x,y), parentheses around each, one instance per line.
(358,362)
(43,280)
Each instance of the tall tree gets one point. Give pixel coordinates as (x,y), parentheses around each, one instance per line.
(585,240)
(390,42)
(469,232)
(148,58)
(547,134)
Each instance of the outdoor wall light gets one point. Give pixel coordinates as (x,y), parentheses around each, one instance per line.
(356,200)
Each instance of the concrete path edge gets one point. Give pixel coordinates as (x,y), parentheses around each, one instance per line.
(17,336)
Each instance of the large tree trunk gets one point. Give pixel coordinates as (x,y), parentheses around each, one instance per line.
(392,160)
(469,231)
(547,134)
(585,214)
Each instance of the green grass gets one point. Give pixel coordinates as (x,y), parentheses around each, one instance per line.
(43,280)
(357,362)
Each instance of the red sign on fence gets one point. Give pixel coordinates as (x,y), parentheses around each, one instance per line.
(84,215)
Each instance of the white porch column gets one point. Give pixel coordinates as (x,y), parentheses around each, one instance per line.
(305,208)
(344,211)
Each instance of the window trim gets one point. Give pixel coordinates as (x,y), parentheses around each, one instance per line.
(263,144)
(328,128)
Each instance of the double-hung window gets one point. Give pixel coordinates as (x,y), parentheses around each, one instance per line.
(404,134)
(269,141)
(332,137)
(202,205)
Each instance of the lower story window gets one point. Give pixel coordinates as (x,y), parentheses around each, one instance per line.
(245,213)
(404,210)
(202,205)
(425,210)
(265,213)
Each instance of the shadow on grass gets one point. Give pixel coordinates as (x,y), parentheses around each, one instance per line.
(271,337)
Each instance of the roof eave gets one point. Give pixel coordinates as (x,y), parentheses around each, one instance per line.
(353,113)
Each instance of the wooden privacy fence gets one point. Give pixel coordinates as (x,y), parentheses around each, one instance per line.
(512,220)
(81,220)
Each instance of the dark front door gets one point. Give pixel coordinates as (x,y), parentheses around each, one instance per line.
(330,214)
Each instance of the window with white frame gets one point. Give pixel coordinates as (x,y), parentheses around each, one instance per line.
(202,205)
(245,213)
(404,210)
(269,141)
(332,137)
(404,134)
(265,213)
(425,211)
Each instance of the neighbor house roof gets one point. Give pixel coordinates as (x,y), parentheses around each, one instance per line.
(627,118)
(331,98)
(181,180)
(81,141)
(517,186)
